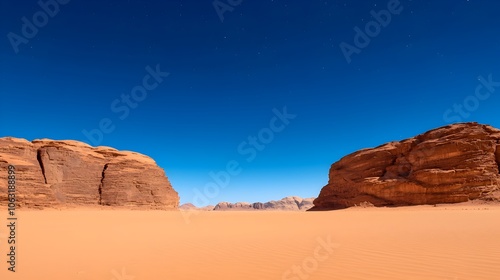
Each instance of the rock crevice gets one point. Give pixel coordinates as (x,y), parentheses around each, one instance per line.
(103,174)
(40,163)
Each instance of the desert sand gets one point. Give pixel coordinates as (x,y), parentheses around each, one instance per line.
(421,242)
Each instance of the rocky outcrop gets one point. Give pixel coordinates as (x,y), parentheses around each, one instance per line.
(291,203)
(451,164)
(57,173)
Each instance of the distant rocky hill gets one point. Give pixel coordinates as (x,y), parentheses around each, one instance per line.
(451,164)
(292,203)
(71,173)
(191,207)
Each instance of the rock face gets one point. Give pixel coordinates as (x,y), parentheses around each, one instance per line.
(291,203)
(451,164)
(56,173)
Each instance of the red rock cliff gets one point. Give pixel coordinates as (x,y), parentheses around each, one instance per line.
(56,173)
(451,164)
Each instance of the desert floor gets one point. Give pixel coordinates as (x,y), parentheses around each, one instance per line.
(424,242)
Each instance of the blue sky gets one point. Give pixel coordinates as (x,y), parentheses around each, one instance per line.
(419,70)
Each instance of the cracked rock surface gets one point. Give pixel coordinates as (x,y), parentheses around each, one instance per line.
(56,173)
(451,164)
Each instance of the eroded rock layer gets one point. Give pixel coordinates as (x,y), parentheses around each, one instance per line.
(56,173)
(451,164)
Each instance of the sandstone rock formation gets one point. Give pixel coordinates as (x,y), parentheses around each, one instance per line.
(57,173)
(451,164)
(291,203)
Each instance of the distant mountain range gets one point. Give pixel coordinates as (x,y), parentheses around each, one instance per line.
(291,203)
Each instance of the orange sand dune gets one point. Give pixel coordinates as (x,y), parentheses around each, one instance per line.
(424,242)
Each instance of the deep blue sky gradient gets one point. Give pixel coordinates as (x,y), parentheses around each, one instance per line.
(226,78)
